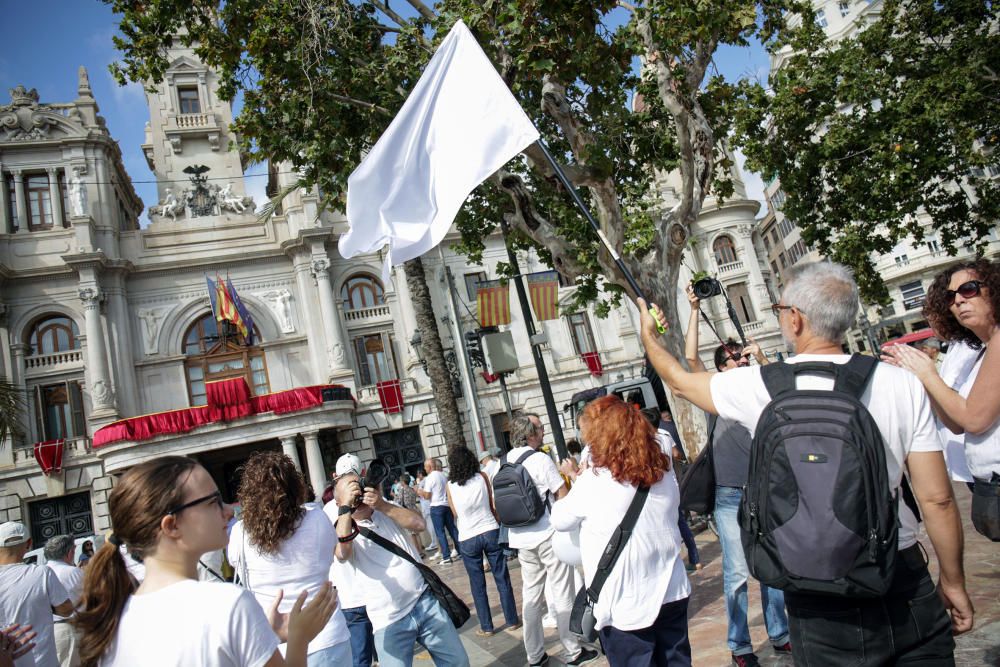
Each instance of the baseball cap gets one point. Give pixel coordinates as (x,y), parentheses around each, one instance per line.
(483,455)
(13,533)
(348,463)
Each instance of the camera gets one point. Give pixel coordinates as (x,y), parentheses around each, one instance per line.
(375,476)
(706,288)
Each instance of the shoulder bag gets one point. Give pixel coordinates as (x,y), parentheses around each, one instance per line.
(457,610)
(581,620)
(697,486)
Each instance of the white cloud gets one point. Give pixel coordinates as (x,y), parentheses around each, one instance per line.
(256,185)
(753,182)
(129,96)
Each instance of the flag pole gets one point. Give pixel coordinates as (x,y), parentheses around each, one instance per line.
(536,352)
(597,228)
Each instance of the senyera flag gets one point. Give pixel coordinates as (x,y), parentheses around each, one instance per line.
(543,288)
(459,125)
(493,303)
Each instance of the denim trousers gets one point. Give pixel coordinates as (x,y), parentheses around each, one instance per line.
(906,626)
(427,624)
(664,644)
(337,655)
(362,638)
(472,551)
(735,575)
(688,537)
(444,525)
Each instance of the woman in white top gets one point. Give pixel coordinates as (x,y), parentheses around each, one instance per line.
(963,303)
(641,612)
(169,512)
(471,501)
(280,543)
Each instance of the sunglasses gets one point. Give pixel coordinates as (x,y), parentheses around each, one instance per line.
(216,497)
(967,290)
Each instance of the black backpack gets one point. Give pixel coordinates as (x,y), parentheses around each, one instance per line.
(514,493)
(818,515)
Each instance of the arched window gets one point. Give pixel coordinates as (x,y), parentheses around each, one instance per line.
(725,251)
(217,351)
(56,333)
(362,291)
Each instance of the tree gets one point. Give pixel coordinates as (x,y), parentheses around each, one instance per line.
(321,79)
(11,409)
(876,134)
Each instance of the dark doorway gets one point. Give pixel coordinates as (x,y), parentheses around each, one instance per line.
(68,515)
(401,450)
(224,465)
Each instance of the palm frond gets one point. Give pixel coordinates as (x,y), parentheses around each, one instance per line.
(11,405)
(267,212)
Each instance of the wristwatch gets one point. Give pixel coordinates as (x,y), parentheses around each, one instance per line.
(344,509)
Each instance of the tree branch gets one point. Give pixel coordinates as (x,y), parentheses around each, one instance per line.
(424,10)
(360,103)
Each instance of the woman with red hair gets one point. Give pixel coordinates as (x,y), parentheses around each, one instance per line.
(641,612)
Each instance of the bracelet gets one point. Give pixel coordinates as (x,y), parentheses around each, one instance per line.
(344,509)
(354,533)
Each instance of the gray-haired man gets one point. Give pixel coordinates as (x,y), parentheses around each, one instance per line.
(59,552)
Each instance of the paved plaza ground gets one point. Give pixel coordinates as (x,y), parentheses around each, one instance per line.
(708,616)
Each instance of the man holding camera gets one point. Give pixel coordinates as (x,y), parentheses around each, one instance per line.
(401,607)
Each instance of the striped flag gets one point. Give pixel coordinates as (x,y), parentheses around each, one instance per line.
(213,291)
(242,310)
(493,300)
(226,309)
(543,288)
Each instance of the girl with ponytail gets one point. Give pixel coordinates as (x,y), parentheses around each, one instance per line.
(169,512)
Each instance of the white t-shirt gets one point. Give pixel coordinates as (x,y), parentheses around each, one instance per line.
(649,572)
(547,481)
(27,595)
(192,623)
(491,468)
(71,577)
(425,505)
(435,484)
(959,371)
(982,450)
(390,586)
(472,508)
(301,563)
(894,397)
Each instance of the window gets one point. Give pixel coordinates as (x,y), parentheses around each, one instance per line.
(902,260)
(12,203)
(583,336)
(778,199)
(374,359)
(933,245)
(725,251)
(471,281)
(187,97)
(913,295)
(774,269)
(214,355)
(362,291)
(740,297)
(59,411)
(784,262)
(844,7)
(785,227)
(821,19)
(64,192)
(39,202)
(774,236)
(53,334)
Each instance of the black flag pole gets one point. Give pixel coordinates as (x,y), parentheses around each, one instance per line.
(597,229)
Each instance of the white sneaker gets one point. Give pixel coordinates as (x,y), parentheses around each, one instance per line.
(549,621)
(454,553)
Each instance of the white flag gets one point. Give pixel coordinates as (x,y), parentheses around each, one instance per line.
(459,125)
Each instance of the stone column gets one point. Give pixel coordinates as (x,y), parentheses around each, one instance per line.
(314,459)
(288,449)
(406,316)
(336,350)
(98,380)
(6,224)
(23,216)
(314,339)
(55,195)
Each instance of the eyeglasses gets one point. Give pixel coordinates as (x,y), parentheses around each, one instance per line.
(217,497)
(776,309)
(967,290)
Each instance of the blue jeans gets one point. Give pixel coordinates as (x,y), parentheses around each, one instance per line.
(735,575)
(688,537)
(337,655)
(428,624)
(443,519)
(664,643)
(362,639)
(472,551)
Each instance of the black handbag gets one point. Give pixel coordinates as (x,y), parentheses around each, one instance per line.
(698,484)
(581,619)
(457,610)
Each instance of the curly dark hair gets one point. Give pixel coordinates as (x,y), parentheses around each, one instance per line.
(462,465)
(937,310)
(271,494)
(725,352)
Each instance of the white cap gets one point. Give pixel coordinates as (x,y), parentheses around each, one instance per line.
(13,533)
(348,463)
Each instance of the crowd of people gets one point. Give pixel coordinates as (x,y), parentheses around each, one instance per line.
(343,581)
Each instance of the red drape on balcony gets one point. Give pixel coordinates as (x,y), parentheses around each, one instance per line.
(489,377)
(593,361)
(181,421)
(49,455)
(390,394)
(227,392)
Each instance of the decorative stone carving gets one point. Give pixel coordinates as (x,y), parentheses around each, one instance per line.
(83,83)
(78,193)
(90,297)
(24,119)
(338,354)
(201,199)
(150,318)
(169,206)
(230,202)
(101,393)
(321,265)
(279,302)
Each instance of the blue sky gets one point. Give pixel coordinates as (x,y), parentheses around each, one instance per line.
(45,41)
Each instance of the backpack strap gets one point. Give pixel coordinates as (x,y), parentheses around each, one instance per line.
(617,543)
(853,377)
(522,457)
(778,378)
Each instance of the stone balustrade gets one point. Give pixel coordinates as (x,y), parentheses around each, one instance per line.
(52,361)
(190,120)
(367,313)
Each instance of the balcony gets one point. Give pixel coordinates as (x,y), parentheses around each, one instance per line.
(70,359)
(753,327)
(731,268)
(193,120)
(373,313)
(73,448)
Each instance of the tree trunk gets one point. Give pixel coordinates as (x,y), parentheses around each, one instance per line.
(11,405)
(433,354)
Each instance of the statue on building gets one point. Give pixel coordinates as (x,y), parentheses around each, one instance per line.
(230,202)
(78,194)
(150,318)
(279,302)
(169,206)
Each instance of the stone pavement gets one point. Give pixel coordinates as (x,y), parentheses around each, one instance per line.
(707,624)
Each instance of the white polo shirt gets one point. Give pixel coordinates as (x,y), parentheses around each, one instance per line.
(436,483)
(547,481)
